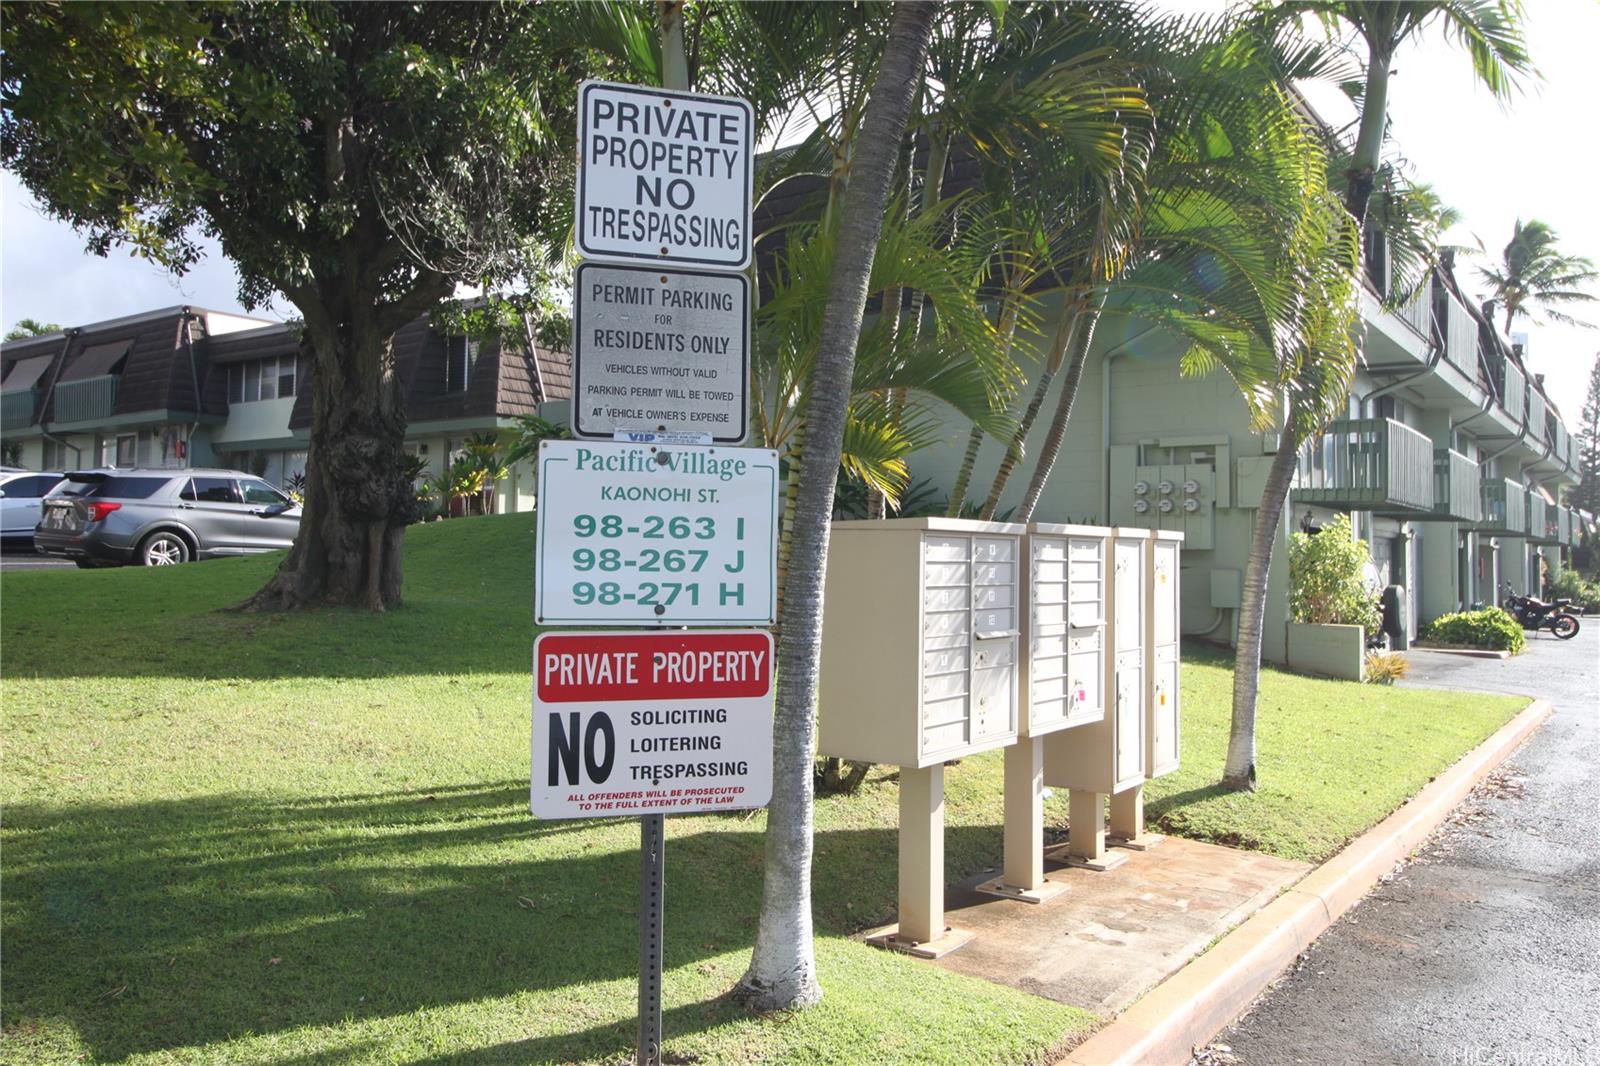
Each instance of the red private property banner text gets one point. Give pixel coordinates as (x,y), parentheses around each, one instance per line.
(648,667)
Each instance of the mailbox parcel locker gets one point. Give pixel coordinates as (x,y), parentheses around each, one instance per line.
(1064,632)
(920,647)
(1108,755)
(1162,615)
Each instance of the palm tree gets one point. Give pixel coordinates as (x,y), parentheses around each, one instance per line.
(1489,30)
(1533,274)
(782,972)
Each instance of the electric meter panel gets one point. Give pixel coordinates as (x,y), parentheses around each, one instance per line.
(921,640)
(1064,668)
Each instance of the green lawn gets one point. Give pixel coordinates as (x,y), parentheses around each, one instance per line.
(304,839)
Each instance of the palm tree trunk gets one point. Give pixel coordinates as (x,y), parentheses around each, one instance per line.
(1016,447)
(1082,338)
(969,461)
(1369,142)
(1240,772)
(783,970)
(791,492)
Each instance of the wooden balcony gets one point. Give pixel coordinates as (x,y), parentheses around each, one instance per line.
(87,400)
(1536,426)
(1368,464)
(18,408)
(1460,333)
(1456,494)
(1544,522)
(1504,508)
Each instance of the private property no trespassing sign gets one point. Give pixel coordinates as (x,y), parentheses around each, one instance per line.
(664,176)
(651,722)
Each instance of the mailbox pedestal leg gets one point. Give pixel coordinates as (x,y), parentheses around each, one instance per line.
(1022,877)
(1127,821)
(922,930)
(1086,832)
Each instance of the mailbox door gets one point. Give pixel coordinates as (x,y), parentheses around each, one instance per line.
(1128,727)
(1164,712)
(1164,592)
(995,609)
(946,644)
(1127,585)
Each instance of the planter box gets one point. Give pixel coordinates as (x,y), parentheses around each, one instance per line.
(1330,651)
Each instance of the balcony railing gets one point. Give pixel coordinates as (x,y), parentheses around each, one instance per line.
(1556,434)
(86,400)
(17,408)
(1536,415)
(1417,312)
(1460,336)
(1456,497)
(1509,383)
(1543,525)
(1569,526)
(1504,508)
(1368,464)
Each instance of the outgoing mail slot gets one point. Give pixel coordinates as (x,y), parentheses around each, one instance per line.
(921,612)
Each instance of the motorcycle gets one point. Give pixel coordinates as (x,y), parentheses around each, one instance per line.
(1536,614)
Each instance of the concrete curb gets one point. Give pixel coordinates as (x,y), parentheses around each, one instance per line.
(1470,653)
(1194,1004)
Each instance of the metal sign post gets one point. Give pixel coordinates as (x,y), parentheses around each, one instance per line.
(657,528)
(652,876)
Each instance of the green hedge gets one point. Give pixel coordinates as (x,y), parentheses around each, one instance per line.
(1488,628)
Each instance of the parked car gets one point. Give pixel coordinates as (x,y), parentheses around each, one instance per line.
(160,517)
(20,494)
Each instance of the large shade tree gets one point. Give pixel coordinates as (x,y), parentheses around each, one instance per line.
(358,159)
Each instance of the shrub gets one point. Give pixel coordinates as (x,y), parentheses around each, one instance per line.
(1489,628)
(1386,667)
(1325,583)
(1569,584)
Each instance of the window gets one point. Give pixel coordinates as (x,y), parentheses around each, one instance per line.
(273,378)
(260,494)
(125,449)
(211,490)
(460,355)
(116,488)
(55,455)
(29,488)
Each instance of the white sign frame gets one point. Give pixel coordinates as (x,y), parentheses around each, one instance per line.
(680,529)
(617,174)
(663,377)
(676,753)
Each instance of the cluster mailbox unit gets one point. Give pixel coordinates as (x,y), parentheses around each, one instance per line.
(919,666)
(949,637)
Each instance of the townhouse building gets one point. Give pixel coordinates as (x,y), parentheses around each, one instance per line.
(1451,461)
(185,386)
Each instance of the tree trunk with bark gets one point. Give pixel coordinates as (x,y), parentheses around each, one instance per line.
(1016,448)
(1369,141)
(358,499)
(1239,773)
(783,972)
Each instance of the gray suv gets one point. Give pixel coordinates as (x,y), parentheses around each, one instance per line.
(160,517)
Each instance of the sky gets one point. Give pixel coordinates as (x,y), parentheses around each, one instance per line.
(1534,158)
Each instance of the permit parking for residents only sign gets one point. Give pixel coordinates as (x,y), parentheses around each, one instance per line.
(665,176)
(651,723)
(640,533)
(661,351)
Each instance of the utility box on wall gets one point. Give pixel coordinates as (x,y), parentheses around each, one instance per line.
(920,646)
(1064,631)
(1110,755)
(1162,616)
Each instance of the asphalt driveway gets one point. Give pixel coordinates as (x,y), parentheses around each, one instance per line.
(1486,947)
